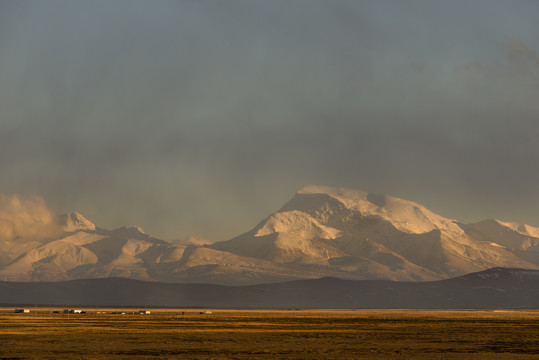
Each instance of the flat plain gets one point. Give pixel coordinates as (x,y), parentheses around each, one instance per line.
(291,334)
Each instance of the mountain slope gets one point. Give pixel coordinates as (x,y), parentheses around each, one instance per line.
(494,288)
(85,251)
(320,232)
(369,236)
(520,239)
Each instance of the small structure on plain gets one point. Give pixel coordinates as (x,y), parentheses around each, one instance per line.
(72,311)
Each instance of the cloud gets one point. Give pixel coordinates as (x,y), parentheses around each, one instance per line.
(473,66)
(517,50)
(521,57)
(192,240)
(203,117)
(26,219)
(418,66)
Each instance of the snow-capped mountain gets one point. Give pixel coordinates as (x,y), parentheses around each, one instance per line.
(321,231)
(74,222)
(358,235)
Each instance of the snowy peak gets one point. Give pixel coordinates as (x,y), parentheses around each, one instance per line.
(75,222)
(321,231)
(406,216)
(520,238)
(131,230)
(522,229)
(357,234)
(298,223)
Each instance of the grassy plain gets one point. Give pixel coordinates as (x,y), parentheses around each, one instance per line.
(309,334)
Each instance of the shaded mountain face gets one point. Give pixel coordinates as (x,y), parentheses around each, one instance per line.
(320,232)
(494,288)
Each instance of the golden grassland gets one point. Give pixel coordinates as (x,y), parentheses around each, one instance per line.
(242,334)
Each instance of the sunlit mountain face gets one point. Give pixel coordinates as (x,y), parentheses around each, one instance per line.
(321,231)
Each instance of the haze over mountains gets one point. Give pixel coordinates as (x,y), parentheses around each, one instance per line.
(320,232)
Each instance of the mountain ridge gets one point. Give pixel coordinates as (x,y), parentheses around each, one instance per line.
(320,231)
(497,288)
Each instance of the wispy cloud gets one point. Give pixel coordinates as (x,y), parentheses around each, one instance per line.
(27,219)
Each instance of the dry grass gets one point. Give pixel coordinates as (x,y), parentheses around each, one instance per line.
(271,335)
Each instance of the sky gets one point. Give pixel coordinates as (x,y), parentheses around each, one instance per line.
(201,118)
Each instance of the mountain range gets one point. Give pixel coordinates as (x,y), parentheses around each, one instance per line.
(320,232)
(490,289)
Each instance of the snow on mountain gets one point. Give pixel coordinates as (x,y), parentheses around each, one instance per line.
(74,222)
(297,223)
(519,239)
(368,236)
(286,237)
(522,229)
(321,231)
(86,251)
(404,215)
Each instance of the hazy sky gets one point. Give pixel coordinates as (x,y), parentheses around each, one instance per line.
(203,117)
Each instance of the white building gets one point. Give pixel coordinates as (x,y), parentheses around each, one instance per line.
(72,311)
